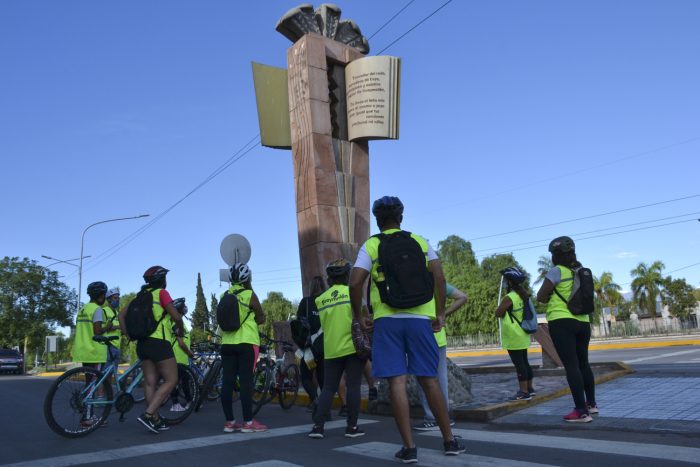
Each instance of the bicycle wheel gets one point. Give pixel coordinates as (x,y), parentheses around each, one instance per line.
(262,381)
(183,398)
(215,392)
(138,393)
(288,386)
(209,381)
(74,405)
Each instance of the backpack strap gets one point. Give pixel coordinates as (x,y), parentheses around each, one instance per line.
(512,317)
(557,292)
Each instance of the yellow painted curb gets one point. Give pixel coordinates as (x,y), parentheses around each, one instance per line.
(615,345)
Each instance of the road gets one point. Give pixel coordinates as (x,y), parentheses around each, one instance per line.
(26,439)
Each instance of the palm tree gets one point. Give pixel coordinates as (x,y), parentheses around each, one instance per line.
(544,264)
(607,291)
(646,285)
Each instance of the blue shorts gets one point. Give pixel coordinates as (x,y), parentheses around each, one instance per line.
(404,346)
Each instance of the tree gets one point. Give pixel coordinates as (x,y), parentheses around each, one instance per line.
(33,302)
(678,296)
(200,315)
(606,290)
(544,264)
(276,308)
(646,286)
(214,305)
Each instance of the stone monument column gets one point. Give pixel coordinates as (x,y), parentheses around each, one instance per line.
(331,174)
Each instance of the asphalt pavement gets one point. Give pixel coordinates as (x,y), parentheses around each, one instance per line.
(27,440)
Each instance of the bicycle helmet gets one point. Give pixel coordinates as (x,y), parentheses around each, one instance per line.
(155,275)
(95,289)
(338,267)
(387,206)
(562,245)
(513,275)
(179,304)
(239,273)
(112,291)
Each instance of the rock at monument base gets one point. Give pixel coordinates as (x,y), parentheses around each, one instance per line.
(459,391)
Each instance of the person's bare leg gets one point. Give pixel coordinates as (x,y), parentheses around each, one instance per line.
(150,380)
(368,374)
(399,405)
(168,371)
(437,404)
(524,386)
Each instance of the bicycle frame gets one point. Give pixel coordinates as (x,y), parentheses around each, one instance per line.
(107,374)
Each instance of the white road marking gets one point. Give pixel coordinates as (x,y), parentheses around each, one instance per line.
(272,463)
(172,446)
(433,457)
(646,450)
(654,357)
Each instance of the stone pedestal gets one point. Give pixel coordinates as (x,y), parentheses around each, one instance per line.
(550,358)
(331,175)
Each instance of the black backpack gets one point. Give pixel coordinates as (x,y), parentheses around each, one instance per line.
(227,312)
(139,319)
(581,300)
(407,281)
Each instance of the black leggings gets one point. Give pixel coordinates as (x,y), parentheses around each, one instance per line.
(181,383)
(333,371)
(571,337)
(522,366)
(237,362)
(307,378)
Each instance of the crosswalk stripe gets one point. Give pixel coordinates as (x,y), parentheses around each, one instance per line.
(173,446)
(272,463)
(652,451)
(433,457)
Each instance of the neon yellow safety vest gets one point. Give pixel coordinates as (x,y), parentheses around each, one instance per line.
(382,309)
(556,308)
(85,350)
(163,330)
(336,319)
(248,333)
(512,335)
(180,354)
(111,318)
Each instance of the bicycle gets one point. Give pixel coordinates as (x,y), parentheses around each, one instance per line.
(86,395)
(273,378)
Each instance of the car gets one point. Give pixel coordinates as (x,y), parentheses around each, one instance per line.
(11,361)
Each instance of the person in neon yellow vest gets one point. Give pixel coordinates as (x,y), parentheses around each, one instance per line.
(513,339)
(111,317)
(571,334)
(394,328)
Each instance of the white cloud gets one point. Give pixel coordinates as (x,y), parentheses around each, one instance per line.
(626,254)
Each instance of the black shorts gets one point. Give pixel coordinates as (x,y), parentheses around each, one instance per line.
(154,349)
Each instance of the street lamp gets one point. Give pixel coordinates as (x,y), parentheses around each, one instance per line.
(67,261)
(82,242)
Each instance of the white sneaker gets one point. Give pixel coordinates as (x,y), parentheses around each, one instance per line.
(176,407)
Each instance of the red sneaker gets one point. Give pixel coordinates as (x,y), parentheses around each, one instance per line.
(593,409)
(253,427)
(231,427)
(576,416)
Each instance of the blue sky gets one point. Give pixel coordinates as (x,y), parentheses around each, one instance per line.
(513,114)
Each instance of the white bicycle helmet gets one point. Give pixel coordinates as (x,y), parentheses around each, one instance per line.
(239,273)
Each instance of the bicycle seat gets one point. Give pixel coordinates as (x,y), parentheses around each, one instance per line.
(104,339)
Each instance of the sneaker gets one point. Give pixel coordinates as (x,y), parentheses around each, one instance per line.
(452,422)
(231,427)
(161,424)
(426,426)
(407,455)
(532,392)
(176,407)
(147,421)
(521,396)
(343,412)
(372,394)
(316,432)
(88,422)
(593,409)
(253,426)
(454,447)
(353,432)
(576,416)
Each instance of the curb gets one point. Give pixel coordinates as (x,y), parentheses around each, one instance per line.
(490,412)
(611,346)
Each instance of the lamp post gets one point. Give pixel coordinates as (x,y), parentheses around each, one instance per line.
(82,242)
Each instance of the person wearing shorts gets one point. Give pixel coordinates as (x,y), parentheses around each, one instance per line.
(403,341)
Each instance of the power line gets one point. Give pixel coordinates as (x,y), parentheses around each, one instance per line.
(597,236)
(391,19)
(684,267)
(415,26)
(617,211)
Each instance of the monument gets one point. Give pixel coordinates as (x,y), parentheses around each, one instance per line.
(338,99)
